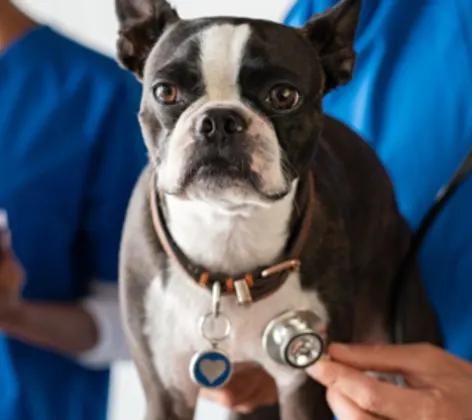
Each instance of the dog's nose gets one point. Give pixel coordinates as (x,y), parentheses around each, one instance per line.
(220,124)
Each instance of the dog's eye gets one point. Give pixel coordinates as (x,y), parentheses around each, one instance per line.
(283,97)
(165,93)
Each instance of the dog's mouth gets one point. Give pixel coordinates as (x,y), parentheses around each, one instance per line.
(216,173)
(218,169)
(218,166)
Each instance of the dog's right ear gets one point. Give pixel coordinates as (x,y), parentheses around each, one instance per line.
(141,24)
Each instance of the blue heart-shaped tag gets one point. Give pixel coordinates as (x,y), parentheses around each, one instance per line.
(210,369)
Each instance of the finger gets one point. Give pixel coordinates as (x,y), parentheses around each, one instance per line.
(375,397)
(226,395)
(250,407)
(251,387)
(345,409)
(229,396)
(245,367)
(261,396)
(259,390)
(244,402)
(244,409)
(406,359)
(236,382)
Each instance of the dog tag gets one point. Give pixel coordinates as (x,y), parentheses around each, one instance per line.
(212,368)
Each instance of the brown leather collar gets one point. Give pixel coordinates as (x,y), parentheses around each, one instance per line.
(247,286)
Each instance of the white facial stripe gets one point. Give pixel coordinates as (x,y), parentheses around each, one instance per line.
(222,50)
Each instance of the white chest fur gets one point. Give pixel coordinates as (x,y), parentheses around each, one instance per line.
(230,243)
(173,314)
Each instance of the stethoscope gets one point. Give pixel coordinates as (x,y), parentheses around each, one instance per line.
(297,338)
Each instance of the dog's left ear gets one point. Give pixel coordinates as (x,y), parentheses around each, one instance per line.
(141,24)
(333,33)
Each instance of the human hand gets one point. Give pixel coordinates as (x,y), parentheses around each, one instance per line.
(439,384)
(249,388)
(11,280)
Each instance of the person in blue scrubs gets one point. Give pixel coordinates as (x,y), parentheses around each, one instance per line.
(410,98)
(70,153)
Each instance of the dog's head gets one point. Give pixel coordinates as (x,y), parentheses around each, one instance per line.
(231,107)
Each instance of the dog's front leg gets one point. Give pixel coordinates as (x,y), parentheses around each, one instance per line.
(159,402)
(162,403)
(140,259)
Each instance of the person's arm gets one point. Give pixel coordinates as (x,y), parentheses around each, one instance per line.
(90,329)
(43,324)
(65,328)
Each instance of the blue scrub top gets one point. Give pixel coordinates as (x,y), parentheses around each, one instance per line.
(411,100)
(70,153)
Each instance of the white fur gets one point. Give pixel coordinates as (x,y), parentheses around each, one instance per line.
(222,49)
(232,239)
(172,327)
(231,242)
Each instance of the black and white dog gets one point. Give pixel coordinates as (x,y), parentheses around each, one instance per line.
(243,164)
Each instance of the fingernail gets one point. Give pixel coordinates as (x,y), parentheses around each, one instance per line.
(317,368)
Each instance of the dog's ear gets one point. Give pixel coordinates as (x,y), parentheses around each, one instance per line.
(141,23)
(333,33)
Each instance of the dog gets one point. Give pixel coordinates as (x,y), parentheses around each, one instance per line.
(242,165)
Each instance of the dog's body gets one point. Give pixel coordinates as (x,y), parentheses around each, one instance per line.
(233,217)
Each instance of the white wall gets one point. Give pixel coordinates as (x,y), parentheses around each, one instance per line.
(93,22)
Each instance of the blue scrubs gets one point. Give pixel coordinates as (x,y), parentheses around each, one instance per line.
(70,153)
(411,100)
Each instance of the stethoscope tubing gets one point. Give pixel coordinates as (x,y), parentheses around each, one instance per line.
(399,286)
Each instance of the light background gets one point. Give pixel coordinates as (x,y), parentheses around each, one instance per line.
(93,22)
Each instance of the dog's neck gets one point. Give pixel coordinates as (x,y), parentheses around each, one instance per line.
(230,242)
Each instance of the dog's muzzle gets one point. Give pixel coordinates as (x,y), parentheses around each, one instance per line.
(221,145)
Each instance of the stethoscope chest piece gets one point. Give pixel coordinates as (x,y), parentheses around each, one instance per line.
(292,339)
